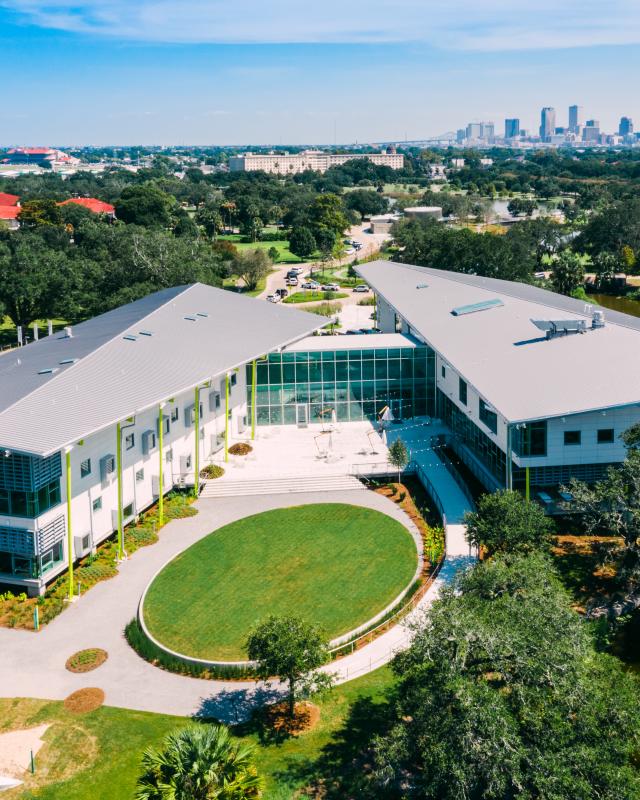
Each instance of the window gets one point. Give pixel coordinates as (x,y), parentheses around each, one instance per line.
(443,371)
(97,504)
(462,391)
(530,439)
(605,436)
(139,475)
(234,378)
(175,414)
(489,417)
(169,456)
(127,511)
(85,468)
(129,441)
(572,437)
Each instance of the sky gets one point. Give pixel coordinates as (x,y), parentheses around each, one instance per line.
(285,72)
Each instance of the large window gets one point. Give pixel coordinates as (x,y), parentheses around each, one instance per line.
(462,391)
(572,437)
(605,436)
(29,504)
(488,416)
(344,385)
(530,439)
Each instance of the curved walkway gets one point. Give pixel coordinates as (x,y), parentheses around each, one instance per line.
(32,665)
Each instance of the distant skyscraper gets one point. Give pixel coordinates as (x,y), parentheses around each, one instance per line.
(626,126)
(591,131)
(487,131)
(461,135)
(474,130)
(511,128)
(547,122)
(575,118)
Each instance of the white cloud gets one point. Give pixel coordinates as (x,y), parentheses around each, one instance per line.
(489,25)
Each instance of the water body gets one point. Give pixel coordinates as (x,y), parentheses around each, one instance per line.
(623,304)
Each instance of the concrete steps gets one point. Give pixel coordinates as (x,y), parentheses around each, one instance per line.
(284,485)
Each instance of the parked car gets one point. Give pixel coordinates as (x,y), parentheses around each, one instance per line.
(296,271)
(310,285)
(361,287)
(357,245)
(331,287)
(273,298)
(282,293)
(292,280)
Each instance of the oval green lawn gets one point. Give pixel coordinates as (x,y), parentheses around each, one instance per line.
(333,564)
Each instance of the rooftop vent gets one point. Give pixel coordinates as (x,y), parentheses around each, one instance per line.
(422,286)
(145,333)
(68,361)
(560,327)
(191,319)
(473,307)
(202,314)
(597,320)
(130,337)
(47,371)
(68,332)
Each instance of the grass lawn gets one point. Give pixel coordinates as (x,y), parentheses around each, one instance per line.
(335,565)
(285,256)
(312,296)
(96,756)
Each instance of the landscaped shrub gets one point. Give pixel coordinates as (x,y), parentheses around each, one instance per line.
(240,449)
(146,649)
(212,471)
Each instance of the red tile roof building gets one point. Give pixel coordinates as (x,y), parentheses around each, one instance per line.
(8,199)
(97,206)
(9,212)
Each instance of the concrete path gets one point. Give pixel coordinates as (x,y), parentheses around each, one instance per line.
(32,665)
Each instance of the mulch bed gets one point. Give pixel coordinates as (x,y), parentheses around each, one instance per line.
(84,700)
(240,449)
(306,716)
(86,660)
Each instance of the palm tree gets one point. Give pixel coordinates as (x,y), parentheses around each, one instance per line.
(199,762)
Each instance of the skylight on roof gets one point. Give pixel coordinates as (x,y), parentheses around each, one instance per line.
(130,337)
(460,311)
(68,361)
(422,286)
(47,371)
(145,333)
(191,319)
(202,314)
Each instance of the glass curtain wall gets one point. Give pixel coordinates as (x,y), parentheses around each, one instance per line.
(346,385)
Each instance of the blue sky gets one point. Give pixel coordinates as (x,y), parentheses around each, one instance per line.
(277,71)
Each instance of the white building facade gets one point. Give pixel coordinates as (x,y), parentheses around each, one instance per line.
(314,160)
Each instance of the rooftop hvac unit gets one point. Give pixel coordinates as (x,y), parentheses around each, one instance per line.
(82,545)
(597,320)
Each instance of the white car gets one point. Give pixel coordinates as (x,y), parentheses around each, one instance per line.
(273,298)
(361,287)
(292,281)
(310,285)
(331,287)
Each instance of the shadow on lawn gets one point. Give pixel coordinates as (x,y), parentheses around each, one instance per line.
(343,768)
(236,706)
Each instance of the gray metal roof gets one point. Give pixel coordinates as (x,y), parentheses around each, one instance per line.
(354,341)
(197,332)
(503,354)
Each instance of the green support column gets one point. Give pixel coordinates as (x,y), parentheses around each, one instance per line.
(69,527)
(196,481)
(509,475)
(226,417)
(160,468)
(527,484)
(254,378)
(119,471)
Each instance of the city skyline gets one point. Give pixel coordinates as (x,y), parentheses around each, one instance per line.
(141,74)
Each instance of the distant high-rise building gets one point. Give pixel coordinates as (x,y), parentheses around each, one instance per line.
(487,131)
(461,135)
(591,131)
(511,128)
(474,130)
(626,126)
(575,118)
(547,122)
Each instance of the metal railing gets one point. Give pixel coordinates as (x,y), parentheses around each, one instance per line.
(451,468)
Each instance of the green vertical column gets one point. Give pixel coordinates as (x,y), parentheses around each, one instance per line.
(69,527)
(508,477)
(527,484)
(254,379)
(160,467)
(196,481)
(226,417)
(119,471)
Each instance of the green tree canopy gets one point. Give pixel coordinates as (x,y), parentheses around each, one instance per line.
(146,205)
(398,455)
(252,266)
(302,242)
(291,649)
(502,695)
(568,272)
(506,523)
(199,762)
(366,202)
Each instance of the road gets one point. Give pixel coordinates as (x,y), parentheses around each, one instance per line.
(371,243)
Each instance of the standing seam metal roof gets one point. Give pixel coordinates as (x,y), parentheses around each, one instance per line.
(110,378)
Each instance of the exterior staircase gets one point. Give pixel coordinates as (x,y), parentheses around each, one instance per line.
(283,485)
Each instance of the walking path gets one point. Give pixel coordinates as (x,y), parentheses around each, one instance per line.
(32,665)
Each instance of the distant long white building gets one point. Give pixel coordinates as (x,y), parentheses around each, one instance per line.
(315,160)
